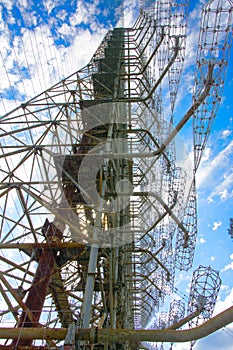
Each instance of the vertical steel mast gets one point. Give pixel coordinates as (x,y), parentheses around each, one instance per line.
(98,195)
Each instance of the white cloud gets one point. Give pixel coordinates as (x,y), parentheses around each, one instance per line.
(32,51)
(51,4)
(183,99)
(23,3)
(182,346)
(227,267)
(8,4)
(225,189)
(86,44)
(224,287)
(220,339)
(216,225)
(219,162)
(84,13)
(224,194)
(66,31)
(202,240)
(207,154)
(35,50)
(212,258)
(129,13)
(226,133)
(222,305)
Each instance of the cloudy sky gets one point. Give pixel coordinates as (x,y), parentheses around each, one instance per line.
(44,41)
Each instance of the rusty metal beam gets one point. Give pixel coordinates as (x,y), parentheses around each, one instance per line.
(22,347)
(52,245)
(40,284)
(9,304)
(37,292)
(23,305)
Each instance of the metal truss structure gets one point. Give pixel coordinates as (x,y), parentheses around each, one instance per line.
(97,195)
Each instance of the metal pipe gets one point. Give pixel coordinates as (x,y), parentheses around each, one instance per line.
(166,335)
(185,320)
(89,288)
(122,335)
(190,112)
(91,273)
(134,131)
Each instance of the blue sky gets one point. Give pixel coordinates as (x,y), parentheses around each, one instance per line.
(44,41)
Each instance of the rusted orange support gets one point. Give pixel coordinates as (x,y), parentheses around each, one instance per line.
(38,290)
(12,347)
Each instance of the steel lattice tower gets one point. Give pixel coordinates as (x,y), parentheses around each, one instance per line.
(98,197)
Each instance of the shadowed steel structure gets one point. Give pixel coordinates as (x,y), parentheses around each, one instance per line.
(98,194)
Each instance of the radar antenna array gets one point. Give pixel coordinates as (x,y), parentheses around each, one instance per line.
(98,208)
